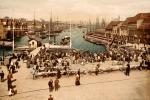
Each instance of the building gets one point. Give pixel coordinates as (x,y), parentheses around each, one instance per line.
(34,43)
(134,29)
(20,27)
(130,26)
(2,31)
(143,27)
(34,25)
(112,29)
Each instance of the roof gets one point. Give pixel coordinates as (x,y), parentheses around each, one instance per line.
(112,23)
(142,15)
(130,20)
(35,38)
(133,20)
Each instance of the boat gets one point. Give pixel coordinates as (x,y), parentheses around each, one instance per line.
(80,26)
(43,35)
(65,40)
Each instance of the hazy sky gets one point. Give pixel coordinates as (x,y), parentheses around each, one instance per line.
(74,9)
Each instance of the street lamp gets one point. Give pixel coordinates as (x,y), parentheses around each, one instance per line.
(13,34)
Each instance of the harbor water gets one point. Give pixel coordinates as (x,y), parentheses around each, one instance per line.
(77,41)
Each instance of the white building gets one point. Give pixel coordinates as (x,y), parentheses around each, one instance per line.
(34,43)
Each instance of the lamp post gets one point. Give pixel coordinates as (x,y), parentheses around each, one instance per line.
(13,35)
(3,49)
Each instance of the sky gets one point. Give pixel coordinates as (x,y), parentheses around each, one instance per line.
(75,10)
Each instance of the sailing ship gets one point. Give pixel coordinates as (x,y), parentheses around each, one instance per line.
(53,30)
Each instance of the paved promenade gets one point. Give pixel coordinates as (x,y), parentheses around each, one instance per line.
(107,86)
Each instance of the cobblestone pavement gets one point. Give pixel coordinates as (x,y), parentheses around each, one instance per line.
(106,86)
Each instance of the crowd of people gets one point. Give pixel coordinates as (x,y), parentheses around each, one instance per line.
(60,60)
(11,68)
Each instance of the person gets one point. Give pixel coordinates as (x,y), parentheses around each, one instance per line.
(78,73)
(141,65)
(50,84)
(17,64)
(9,81)
(12,69)
(96,70)
(58,74)
(77,80)
(128,69)
(1,74)
(33,71)
(50,97)
(56,84)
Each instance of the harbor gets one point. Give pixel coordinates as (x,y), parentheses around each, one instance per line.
(77,34)
(69,53)
(59,50)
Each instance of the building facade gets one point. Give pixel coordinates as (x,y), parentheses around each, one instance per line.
(134,29)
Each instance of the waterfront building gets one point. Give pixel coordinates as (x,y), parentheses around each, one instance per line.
(34,43)
(20,27)
(2,32)
(112,29)
(131,28)
(34,25)
(134,29)
(143,27)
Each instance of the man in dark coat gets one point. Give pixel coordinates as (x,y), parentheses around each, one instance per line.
(1,74)
(78,73)
(96,71)
(56,84)
(128,69)
(58,74)
(50,84)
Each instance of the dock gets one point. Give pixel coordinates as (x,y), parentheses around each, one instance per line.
(96,38)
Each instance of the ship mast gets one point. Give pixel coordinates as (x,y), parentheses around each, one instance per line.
(49,29)
(50,25)
(90,30)
(70,34)
(34,23)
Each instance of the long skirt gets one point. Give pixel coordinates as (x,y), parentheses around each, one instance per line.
(77,83)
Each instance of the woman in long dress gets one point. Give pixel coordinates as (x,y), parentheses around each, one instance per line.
(77,80)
